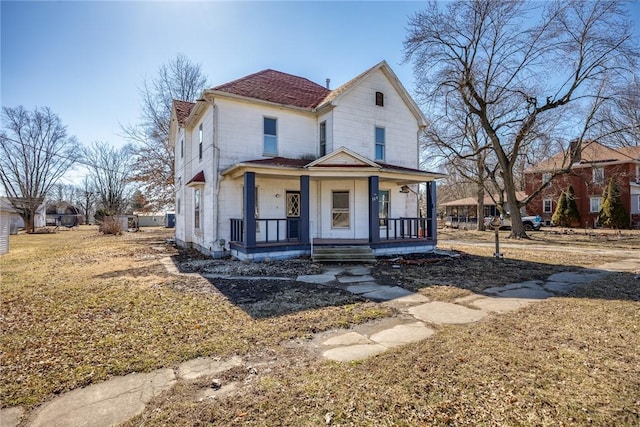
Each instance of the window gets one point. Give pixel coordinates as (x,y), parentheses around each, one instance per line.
(594,204)
(546,179)
(196,209)
(379,143)
(598,175)
(340,210)
(547,206)
(383,200)
(200,142)
(182,148)
(270,136)
(379,99)
(323,138)
(178,206)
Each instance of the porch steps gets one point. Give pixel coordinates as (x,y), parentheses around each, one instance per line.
(341,253)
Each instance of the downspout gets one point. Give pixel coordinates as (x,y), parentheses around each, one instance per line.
(216,169)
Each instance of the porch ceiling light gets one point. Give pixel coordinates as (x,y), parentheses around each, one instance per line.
(404,189)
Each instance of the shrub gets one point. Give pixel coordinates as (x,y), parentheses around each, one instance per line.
(110,226)
(612,213)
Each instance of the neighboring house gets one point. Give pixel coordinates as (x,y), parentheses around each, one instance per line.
(273,165)
(462,213)
(16,220)
(589,176)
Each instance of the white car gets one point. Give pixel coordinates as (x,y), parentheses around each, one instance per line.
(530,223)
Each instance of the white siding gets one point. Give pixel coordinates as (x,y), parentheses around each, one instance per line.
(357,115)
(240,132)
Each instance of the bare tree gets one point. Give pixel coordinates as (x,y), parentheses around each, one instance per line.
(85,198)
(523,83)
(154,157)
(110,173)
(35,152)
(619,122)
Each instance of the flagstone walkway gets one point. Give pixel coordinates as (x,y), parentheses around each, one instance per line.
(121,398)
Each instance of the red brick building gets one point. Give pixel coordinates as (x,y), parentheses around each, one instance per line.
(594,166)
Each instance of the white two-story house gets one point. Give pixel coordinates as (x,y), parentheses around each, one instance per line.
(274,165)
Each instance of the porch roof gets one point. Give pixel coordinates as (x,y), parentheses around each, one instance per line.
(287,167)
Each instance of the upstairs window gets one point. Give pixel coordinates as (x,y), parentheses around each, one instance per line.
(598,175)
(270,142)
(380,142)
(379,99)
(323,138)
(182,148)
(200,142)
(546,179)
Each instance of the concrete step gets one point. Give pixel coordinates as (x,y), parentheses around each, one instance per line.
(329,254)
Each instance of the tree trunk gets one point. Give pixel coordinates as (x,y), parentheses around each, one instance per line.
(517,228)
(480,211)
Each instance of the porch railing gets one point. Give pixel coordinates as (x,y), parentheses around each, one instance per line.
(268,230)
(405,228)
(284,230)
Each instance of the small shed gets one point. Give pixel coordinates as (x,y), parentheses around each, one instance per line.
(151,220)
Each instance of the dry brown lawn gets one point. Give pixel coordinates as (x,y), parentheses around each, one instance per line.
(79,307)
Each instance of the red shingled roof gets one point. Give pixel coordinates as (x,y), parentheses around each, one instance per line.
(278,87)
(183,108)
(197,179)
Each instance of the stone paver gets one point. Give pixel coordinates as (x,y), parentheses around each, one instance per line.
(202,366)
(349,338)
(446,313)
(357,270)
(104,404)
(355,279)
(560,287)
(500,305)
(402,334)
(530,293)
(363,288)
(353,352)
(585,276)
(213,393)
(10,417)
(319,279)
(387,293)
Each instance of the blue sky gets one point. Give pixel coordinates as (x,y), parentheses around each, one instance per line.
(87,60)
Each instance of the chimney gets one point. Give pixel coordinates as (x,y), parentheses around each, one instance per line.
(328,82)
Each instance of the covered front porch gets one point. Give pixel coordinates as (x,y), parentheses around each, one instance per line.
(299,231)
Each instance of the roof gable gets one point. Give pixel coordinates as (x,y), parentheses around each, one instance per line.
(343,157)
(334,97)
(277,87)
(591,153)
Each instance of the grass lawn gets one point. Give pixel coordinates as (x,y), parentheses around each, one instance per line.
(78,307)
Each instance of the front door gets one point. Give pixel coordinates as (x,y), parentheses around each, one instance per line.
(293,214)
